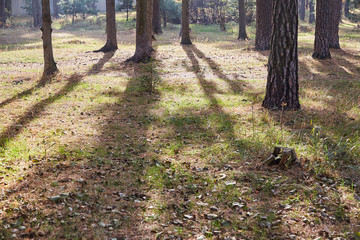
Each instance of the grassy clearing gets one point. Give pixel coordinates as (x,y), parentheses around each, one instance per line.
(100,153)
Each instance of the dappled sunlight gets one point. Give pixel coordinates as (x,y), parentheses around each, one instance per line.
(109,149)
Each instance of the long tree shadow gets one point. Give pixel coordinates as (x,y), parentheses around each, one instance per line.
(25,93)
(236,85)
(35,111)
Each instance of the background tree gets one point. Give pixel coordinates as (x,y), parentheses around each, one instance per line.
(49,62)
(242,22)
(282,90)
(144,9)
(2,13)
(111,40)
(36,13)
(126,5)
(156,17)
(263,24)
(55,8)
(302,9)
(347,8)
(321,48)
(171,12)
(335,18)
(311,12)
(185,29)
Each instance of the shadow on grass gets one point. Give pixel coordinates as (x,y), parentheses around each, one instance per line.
(111,188)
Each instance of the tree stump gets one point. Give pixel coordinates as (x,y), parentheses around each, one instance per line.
(281,156)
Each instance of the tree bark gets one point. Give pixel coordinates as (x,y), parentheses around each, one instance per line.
(263,24)
(282,90)
(156,18)
(49,62)
(111,40)
(2,13)
(321,48)
(144,9)
(36,13)
(335,18)
(302,10)
(185,29)
(311,12)
(242,22)
(347,8)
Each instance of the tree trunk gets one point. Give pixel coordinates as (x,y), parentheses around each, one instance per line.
(185,29)
(263,24)
(242,22)
(302,10)
(335,18)
(55,8)
(222,19)
(49,62)
(311,12)
(2,13)
(111,41)
(165,18)
(143,31)
(321,48)
(157,18)
(282,90)
(347,8)
(36,13)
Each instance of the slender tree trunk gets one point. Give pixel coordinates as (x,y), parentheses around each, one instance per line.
(321,48)
(73,12)
(222,19)
(2,13)
(156,18)
(347,8)
(49,62)
(335,18)
(143,31)
(311,12)
(242,22)
(302,10)
(185,29)
(263,24)
(282,90)
(127,11)
(37,13)
(111,41)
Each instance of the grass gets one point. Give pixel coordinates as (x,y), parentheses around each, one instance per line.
(152,150)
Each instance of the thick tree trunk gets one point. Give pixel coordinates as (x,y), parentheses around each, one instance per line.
(49,62)
(2,13)
(156,18)
(242,22)
(311,12)
(282,90)
(144,9)
(111,41)
(185,29)
(347,8)
(36,13)
(335,18)
(302,9)
(321,48)
(55,8)
(263,24)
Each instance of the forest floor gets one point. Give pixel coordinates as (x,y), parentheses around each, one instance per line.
(170,149)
